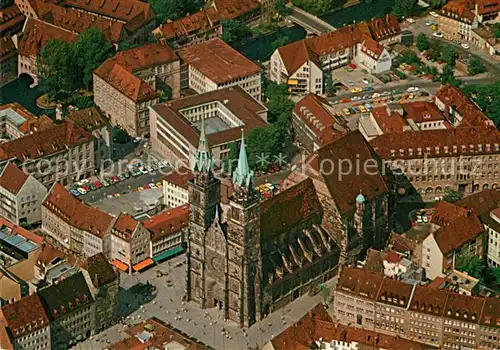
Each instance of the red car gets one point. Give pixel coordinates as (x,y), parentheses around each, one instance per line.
(86,188)
(97,184)
(115,179)
(352,66)
(146,186)
(345,100)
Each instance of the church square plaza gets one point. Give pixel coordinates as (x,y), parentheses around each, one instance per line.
(206,325)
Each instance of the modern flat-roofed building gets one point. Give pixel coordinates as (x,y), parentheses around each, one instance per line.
(176,125)
(213,65)
(16,121)
(175,187)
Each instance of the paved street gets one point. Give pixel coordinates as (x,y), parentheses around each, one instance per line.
(206,325)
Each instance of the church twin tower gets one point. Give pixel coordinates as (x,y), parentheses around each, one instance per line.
(223,260)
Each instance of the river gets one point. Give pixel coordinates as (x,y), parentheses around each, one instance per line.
(261,49)
(19,91)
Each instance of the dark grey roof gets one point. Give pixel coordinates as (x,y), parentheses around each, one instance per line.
(66,296)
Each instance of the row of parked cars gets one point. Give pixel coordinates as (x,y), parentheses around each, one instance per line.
(134,170)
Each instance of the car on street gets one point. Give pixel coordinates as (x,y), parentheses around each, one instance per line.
(429,23)
(366,97)
(83,182)
(352,110)
(376,95)
(410,20)
(92,187)
(346,111)
(81,190)
(75,193)
(345,100)
(465,46)
(98,184)
(438,34)
(356,90)
(136,172)
(456,41)
(86,188)
(433,14)
(366,81)
(362,109)
(146,187)
(356,98)
(143,170)
(115,179)
(122,177)
(126,174)
(412,89)
(369,88)
(150,169)
(356,108)
(105,183)
(152,185)
(137,139)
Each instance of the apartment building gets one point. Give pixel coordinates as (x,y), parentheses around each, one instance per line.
(457,20)
(12,19)
(36,34)
(175,187)
(213,65)
(435,317)
(70,308)
(92,121)
(63,153)
(492,227)
(8,61)
(168,232)
(301,64)
(74,224)
(21,195)
(176,125)
(16,121)
(129,244)
(314,123)
(27,323)
(126,85)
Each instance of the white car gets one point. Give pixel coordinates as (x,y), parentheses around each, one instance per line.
(438,34)
(410,20)
(83,182)
(419,219)
(376,95)
(81,190)
(433,14)
(150,169)
(412,89)
(152,185)
(429,23)
(143,170)
(465,46)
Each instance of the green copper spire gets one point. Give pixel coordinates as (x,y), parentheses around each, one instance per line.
(203,161)
(243,176)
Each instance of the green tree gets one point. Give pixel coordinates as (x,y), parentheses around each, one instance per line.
(473,265)
(475,66)
(436,4)
(318,7)
(281,9)
(124,45)
(449,55)
(272,89)
(234,31)
(90,51)
(451,196)
(403,8)
(447,76)
(55,67)
(282,40)
(120,135)
(496,29)
(174,9)
(422,42)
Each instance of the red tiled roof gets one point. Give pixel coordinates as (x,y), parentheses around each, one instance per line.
(453,235)
(295,54)
(232,9)
(134,13)
(12,178)
(146,56)
(168,222)
(464,307)
(218,61)
(428,300)
(481,202)
(24,316)
(392,257)
(487,6)
(38,33)
(10,16)
(360,282)
(78,21)
(389,123)
(234,98)
(491,313)
(422,111)
(7,48)
(288,209)
(88,118)
(343,184)
(76,213)
(201,21)
(433,142)
(394,292)
(48,253)
(453,97)
(45,142)
(462,8)
(447,212)
(372,48)
(179,177)
(312,111)
(383,27)
(126,225)
(32,123)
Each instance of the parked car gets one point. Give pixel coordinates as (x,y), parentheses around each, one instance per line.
(345,100)
(126,174)
(352,110)
(410,20)
(376,95)
(150,168)
(152,185)
(369,88)
(81,190)
(356,98)
(143,170)
(75,193)
(356,90)
(115,179)
(419,219)
(366,81)
(136,172)
(86,188)
(83,182)
(412,89)
(438,34)
(362,109)
(105,183)
(98,184)
(346,111)
(92,187)
(356,108)
(122,177)
(433,14)
(465,46)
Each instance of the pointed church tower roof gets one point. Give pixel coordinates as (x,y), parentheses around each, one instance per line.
(243,176)
(203,160)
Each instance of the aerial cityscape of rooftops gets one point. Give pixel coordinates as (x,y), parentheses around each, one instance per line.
(249,174)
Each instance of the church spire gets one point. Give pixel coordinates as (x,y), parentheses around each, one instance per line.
(243,176)
(203,162)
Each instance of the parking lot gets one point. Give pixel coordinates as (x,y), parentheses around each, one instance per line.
(353,78)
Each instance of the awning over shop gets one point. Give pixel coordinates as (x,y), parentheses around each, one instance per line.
(120,265)
(293,81)
(143,264)
(168,253)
